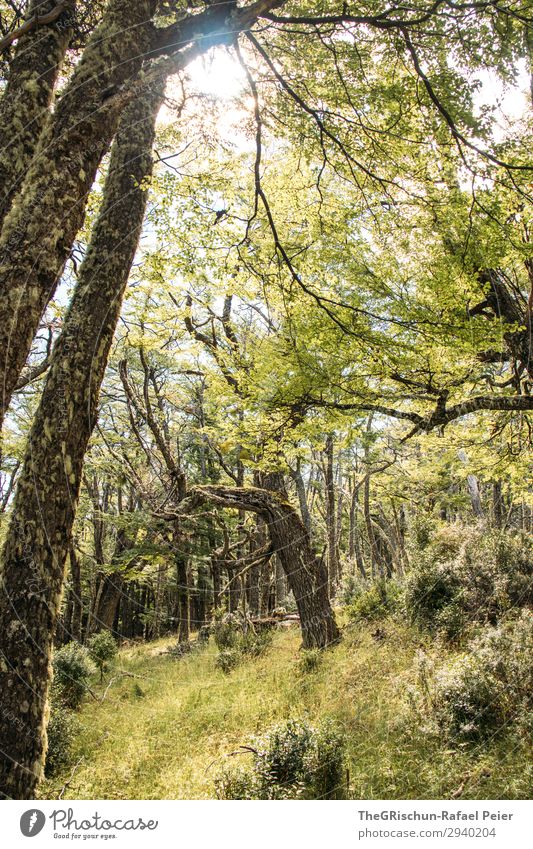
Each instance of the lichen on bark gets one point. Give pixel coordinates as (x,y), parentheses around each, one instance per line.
(38,538)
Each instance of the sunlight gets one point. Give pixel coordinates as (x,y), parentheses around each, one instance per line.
(217,74)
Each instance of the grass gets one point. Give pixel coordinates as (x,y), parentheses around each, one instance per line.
(167,739)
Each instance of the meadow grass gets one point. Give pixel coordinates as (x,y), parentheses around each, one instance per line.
(167,731)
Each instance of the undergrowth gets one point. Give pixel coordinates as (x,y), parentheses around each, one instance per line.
(170,730)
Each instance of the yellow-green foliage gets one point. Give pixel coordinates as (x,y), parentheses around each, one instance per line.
(167,734)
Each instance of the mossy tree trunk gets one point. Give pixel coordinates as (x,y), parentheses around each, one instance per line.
(40,229)
(38,536)
(306,575)
(27,97)
(43,221)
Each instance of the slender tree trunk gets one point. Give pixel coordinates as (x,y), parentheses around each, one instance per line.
(38,536)
(377,562)
(497,504)
(331,516)
(77,602)
(264,588)
(305,513)
(475,496)
(354,542)
(215,572)
(281,583)
(472,485)
(257,541)
(27,97)
(306,577)
(182,581)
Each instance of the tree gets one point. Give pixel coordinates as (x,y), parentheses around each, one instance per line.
(38,537)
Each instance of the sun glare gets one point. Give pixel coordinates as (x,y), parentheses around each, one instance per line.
(217,74)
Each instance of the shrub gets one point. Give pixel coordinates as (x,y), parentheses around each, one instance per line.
(432,597)
(62,730)
(228,659)
(237,639)
(293,760)
(72,669)
(375,602)
(422,531)
(466,576)
(227,630)
(137,691)
(179,650)
(351,586)
(310,660)
(487,688)
(102,650)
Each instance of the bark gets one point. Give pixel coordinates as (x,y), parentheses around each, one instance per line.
(281,583)
(108,601)
(473,488)
(27,97)
(76,619)
(331,516)
(202,596)
(306,577)
(264,588)
(109,591)
(497,504)
(40,229)
(44,506)
(354,542)
(377,562)
(475,496)
(299,483)
(182,583)
(257,541)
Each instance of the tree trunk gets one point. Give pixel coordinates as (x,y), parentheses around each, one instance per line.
(306,577)
(108,600)
(354,542)
(475,496)
(27,97)
(39,232)
(377,562)
(38,537)
(281,583)
(77,603)
(182,581)
(299,483)
(497,504)
(331,516)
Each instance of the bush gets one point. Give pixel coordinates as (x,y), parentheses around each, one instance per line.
(72,669)
(465,576)
(102,649)
(375,602)
(237,639)
(487,688)
(227,630)
(62,730)
(432,597)
(293,760)
(243,644)
(310,660)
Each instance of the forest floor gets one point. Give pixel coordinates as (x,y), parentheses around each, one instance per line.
(166,733)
